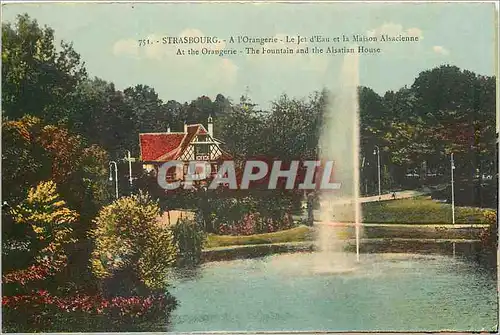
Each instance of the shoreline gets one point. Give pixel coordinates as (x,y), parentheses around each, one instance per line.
(461,247)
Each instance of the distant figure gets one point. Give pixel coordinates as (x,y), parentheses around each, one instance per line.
(393,195)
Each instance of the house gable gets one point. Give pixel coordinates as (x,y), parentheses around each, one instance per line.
(193,144)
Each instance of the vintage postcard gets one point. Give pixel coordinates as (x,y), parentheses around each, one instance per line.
(249,167)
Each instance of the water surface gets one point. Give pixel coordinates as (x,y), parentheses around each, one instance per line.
(391,292)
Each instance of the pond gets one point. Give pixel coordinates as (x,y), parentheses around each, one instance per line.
(386,292)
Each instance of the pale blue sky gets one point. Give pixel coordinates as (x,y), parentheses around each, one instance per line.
(106,37)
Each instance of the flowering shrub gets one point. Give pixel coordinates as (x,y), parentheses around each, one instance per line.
(33,273)
(49,224)
(131,245)
(41,311)
(254,223)
(245,213)
(489,235)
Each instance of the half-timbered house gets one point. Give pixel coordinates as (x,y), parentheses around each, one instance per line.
(195,143)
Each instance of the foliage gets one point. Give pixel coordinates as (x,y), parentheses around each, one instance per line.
(189,239)
(130,242)
(249,211)
(104,117)
(150,115)
(489,237)
(419,210)
(490,217)
(297,234)
(242,129)
(33,152)
(255,223)
(40,311)
(445,110)
(49,223)
(23,160)
(293,127)
(38,78)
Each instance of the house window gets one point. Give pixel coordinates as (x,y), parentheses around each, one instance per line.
(201,151)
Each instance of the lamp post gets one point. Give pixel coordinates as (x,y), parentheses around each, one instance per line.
(452,162)
(113,163)
(377,152)
(452,189)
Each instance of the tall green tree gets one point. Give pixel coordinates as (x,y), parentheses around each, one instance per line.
(457,106)
(104,117)
(293,126)
(149,114)
(39,77)
(242,128)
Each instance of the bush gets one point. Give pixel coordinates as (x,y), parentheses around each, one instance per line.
(41,311)
(132,251)
(189,239)
(126,234)
(489,236)
(255,223)
(245,212)
(48,225)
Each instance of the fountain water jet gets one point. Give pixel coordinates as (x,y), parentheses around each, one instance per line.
(339,142)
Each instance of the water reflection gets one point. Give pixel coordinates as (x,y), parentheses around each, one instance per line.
(180,275)
(387,292)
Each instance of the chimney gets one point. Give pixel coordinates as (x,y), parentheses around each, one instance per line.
(168,128)
(185,127)
(210,126)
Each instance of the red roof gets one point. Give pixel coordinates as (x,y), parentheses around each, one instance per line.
(153,146)
(162,147)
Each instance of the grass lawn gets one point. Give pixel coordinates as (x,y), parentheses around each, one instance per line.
(297,234)
(419,210)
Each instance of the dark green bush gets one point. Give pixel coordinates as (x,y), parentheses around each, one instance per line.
(189,238)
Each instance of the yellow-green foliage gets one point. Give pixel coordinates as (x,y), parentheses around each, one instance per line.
(51,225)
(128,238)
(490,216)
(49,218)
(297,234)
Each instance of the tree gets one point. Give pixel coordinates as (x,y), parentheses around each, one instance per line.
(132,251)
(36,78)
(457,107)
(48,225)
(294,125)
(175,110)
(105,118)
(33,152)
(149,115)
(23,159)
(241,128)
